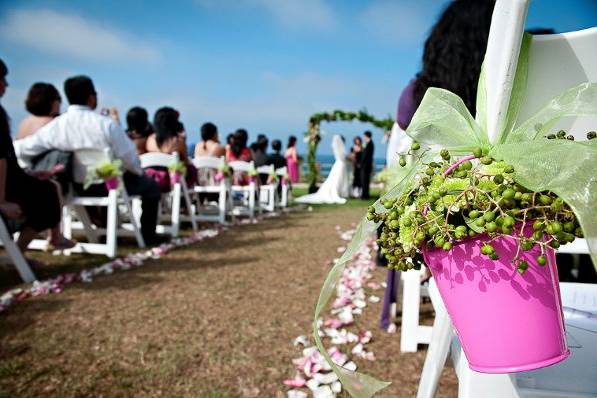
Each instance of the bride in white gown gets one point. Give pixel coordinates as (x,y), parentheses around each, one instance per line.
(336,187)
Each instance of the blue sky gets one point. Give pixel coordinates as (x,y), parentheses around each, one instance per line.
(265,65)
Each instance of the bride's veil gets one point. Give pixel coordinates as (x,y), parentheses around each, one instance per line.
(338,148)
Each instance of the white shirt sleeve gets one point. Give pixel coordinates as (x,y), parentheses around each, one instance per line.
(123,148)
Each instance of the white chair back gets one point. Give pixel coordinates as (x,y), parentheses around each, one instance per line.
(208,162)
(157,159)
(239,165)
(282,171)
(85,159)
(556,63)
(267,169)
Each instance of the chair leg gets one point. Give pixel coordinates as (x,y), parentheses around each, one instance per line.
(175,219)
(222,200)
(82,215)
(411,299)
(189,204)
(252,204)
(112,224)
(135,221)
(15,254)
(438,349)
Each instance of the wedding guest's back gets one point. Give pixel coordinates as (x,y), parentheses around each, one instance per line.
(238,148)
(260,150)
(210,142)
(275,158)
(43,103)
(138,128)
(80,128)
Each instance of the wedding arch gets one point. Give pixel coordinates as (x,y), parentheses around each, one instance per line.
(313,135)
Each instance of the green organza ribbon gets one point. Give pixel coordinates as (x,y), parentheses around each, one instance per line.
(564,167)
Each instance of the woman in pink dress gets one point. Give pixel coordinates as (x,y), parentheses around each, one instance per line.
(292,160)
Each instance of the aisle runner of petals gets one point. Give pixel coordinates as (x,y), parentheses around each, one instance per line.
(133,260)
(313,372)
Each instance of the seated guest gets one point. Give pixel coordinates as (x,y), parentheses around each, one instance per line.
(275,158)
(170,137)
(229,140)
(260,150)
(239,151)
(43,103)
(210,144)
(138,128)
(238,147)
(81,128)
(26,196)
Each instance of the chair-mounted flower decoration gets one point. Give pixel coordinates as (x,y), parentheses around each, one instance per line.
(536,191)
(108,172)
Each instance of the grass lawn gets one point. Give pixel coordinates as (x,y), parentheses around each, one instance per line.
(215,319)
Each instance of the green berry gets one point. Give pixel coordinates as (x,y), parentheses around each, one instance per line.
(556,227)
(474,214)
(486,160)
(522,267)
(415,146)
(445,154)
(541,260)
(402,161)
(538,225)
(491,227)
(527,245)
(591,135)
(509,193)
(477,152)
(498,178)
(569,226)
(489,216)
(479,222)
(508,169)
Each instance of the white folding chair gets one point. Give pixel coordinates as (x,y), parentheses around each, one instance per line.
(14,254)
(207,168)
(282,174)
(169,216)
(74,210)
(412,333)
(267,192)
(243,195)
(556,62)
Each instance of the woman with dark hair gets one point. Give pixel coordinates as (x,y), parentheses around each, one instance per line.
(238,148)
(43,103)
(169,137)
(138,128)
(259,149)
(210,143)
(452,60)
(23,196)
(292,160)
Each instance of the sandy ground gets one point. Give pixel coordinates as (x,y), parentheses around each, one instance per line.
(215,319)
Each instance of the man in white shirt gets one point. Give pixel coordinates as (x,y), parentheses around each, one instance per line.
(80,128)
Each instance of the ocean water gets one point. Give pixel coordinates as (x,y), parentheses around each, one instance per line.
(326,162)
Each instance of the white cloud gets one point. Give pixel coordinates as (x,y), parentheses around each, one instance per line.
(291,14)
(401,22)
(73,36)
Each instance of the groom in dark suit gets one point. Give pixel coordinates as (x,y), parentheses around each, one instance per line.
(366,165)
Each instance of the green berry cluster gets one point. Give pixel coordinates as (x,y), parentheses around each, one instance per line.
(451,202)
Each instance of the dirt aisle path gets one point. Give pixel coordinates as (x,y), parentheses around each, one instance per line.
(212,320)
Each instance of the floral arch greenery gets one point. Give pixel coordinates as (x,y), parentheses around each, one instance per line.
(313,135)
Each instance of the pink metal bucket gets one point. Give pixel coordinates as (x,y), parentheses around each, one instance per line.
(175,178)
(112,183)
(506,322)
